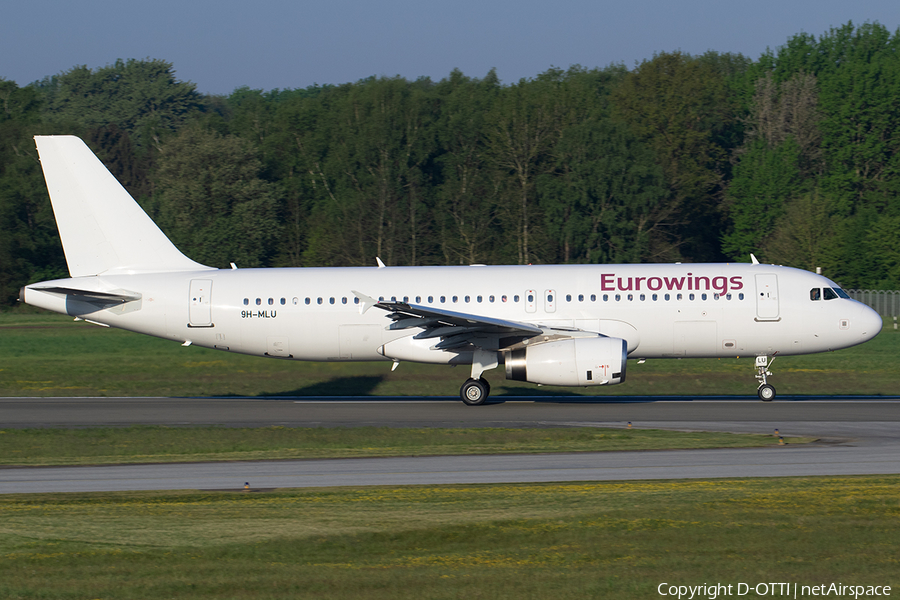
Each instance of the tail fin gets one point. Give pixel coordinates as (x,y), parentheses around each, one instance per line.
(103,230)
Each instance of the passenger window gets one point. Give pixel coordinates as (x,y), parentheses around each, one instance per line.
(691,297)
(516,298)
(306,300)
(679,296)
(283,301)
(490,298)
(815,294)
(331,300)
(703,296)
(259,301)
(618,297)
(568,297)
(478,299)
(643,297)
(271,301)
(443,299)
(405,299)
(655,297)
(455,299)
(355,300)
(430,299)
(581,297)
(741,296)
(728,296)
(418,299)
(344,300)
(630,297)
(296,301)
(606,297)
(503,298)
(829,294)
(467,299)
(667,297)
(593,297)
(246,301)
(318,301)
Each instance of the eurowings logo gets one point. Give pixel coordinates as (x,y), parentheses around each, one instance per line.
(610,283)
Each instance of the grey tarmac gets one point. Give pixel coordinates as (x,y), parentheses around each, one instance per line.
(858,436)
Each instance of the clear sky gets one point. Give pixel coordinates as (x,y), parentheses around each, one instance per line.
(221,45)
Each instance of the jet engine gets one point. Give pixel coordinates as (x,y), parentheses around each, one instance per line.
(574,362)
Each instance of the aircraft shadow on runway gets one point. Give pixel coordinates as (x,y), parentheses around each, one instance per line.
(363,385)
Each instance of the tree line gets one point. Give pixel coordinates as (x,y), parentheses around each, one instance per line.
(792,156)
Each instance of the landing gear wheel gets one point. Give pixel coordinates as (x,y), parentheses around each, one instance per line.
(474,392)
(766,393)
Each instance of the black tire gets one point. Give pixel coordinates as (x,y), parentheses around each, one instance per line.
(474,392)
(766,393)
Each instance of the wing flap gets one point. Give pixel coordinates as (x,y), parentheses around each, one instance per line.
(456,330)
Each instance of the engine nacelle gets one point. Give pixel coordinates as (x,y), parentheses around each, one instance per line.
(573,362)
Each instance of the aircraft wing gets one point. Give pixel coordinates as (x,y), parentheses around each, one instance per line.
(457,329)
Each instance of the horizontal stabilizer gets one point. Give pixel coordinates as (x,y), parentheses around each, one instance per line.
(118,297)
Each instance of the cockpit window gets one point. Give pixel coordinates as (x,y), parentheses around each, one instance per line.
(842,293)
(829,294)
(815,294)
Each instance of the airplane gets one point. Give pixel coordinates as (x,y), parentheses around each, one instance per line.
(564,325)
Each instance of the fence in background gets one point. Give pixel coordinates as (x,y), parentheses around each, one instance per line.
(886,302)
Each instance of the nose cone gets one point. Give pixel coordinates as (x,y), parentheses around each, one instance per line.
(867,323)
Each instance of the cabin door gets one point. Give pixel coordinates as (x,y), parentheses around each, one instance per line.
(200,303)
(767,297)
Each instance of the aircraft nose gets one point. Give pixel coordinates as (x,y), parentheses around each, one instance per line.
(868,322)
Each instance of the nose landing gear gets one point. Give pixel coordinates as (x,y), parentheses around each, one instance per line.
(766,391)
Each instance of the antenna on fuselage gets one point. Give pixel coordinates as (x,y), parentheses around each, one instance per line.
(754,259)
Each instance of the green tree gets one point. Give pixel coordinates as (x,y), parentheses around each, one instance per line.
(765,180)
(142,97)
(523,123)
(685,110)
(29,244)
(211,202)
(605,200)
(468,187)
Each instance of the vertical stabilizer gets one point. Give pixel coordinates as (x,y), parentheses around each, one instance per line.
(103,230)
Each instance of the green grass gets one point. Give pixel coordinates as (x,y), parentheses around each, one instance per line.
(575,540)
(36,447)
(50,355)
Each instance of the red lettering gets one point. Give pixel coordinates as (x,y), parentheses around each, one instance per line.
(654,283)
(606,282)
(622,286)
(697,282)
(736,283)
(720,284)
(674,284)
(637,282)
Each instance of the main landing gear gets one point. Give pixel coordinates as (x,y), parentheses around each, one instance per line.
(475,392)
(766,391)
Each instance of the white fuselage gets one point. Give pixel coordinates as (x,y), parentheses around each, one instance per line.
(661,310)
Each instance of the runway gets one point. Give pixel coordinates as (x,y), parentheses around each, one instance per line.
(858,436)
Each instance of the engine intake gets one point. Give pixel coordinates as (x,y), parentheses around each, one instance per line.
(572,362)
